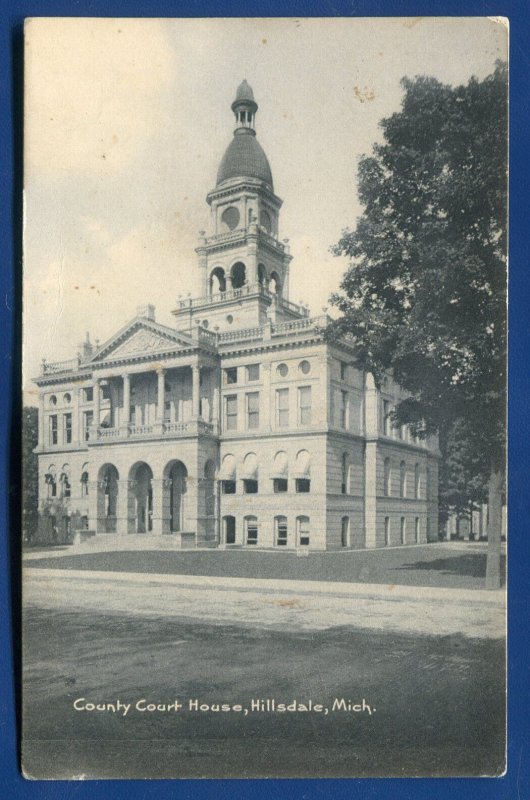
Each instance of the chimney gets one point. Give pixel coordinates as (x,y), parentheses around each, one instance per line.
(146,311)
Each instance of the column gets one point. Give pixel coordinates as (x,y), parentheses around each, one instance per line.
(126,416)
(42,433)
(93,488)
(370,499)
(266,410)
(161,395)
(196,390)
(216,402)
(157,485)
(124,520)
(97,407)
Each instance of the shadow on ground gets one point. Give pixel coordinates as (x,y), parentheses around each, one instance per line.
(472,565)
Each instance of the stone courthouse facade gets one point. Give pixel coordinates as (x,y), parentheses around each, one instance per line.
(239,426)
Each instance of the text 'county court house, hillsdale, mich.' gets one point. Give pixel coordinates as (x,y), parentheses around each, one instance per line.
(240,426)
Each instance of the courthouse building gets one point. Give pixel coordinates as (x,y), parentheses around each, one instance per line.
(238,426)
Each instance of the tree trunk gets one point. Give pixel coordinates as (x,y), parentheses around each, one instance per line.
(493,564)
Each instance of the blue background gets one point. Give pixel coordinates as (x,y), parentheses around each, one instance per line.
(516,784)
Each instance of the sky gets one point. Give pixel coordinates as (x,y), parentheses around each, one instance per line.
(126,122)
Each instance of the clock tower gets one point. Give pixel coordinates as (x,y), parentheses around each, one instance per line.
(243,264)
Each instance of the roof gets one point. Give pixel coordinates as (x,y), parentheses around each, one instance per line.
(244,91)
(244,158)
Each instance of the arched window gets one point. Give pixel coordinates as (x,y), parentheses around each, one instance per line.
(345,532)
(275,286)
(416,481)
(51,481)
(239,275)
(84,484)
(387,478)
(227,474)
(251,530)
(345,474)
(262,275)
(217,281)
(280,531)
(402,479)
(229,529)
(303,531)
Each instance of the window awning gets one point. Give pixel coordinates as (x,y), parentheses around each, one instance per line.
(280,467)
(250,467)
(228,468)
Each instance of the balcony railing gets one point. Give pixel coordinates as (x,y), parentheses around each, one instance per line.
(53,367)
(101,435)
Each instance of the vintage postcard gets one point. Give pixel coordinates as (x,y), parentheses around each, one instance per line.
(264,397)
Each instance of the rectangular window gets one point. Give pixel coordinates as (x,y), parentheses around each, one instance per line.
(279,485)
(343,371)
(403,532)
(282,408)
(231,412)
(252,530)
(88,419)
(253,372)
(53,429)
(343,416)
(67,428)
(231,375)
(88,394)
(253,410)
(386,418)
(167,411)
(304,405)
(303,531)
(250,487)
(417,530)
(228,487)
(303,485)
(387,531)
(105,391)
(132,415)
(281,531)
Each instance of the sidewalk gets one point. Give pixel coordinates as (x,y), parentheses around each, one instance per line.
(283,604)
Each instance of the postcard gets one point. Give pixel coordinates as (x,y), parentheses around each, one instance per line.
(264,525)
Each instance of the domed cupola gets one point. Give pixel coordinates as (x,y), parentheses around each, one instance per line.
(244,157)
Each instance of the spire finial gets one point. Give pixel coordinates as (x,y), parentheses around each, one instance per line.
(244,106)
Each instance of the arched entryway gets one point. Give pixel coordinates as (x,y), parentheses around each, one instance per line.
(107,498)
(141,497)
(174,501)
(239,275)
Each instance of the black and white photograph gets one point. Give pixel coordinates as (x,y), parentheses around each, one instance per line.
(264,378)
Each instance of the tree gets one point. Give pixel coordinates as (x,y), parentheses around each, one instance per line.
(425,292)
(30,472)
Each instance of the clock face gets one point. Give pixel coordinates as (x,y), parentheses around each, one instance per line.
(230,218)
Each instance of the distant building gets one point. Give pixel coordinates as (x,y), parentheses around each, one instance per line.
(240,425)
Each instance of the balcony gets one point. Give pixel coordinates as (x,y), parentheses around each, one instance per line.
(156,430)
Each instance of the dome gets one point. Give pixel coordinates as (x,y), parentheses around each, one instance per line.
(244,158)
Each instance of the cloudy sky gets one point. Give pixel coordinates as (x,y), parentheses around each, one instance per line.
(126,122)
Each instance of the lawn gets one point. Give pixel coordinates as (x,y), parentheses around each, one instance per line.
(439,701)
(433,565)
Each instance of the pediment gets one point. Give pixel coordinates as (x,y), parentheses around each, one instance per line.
(141,340)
